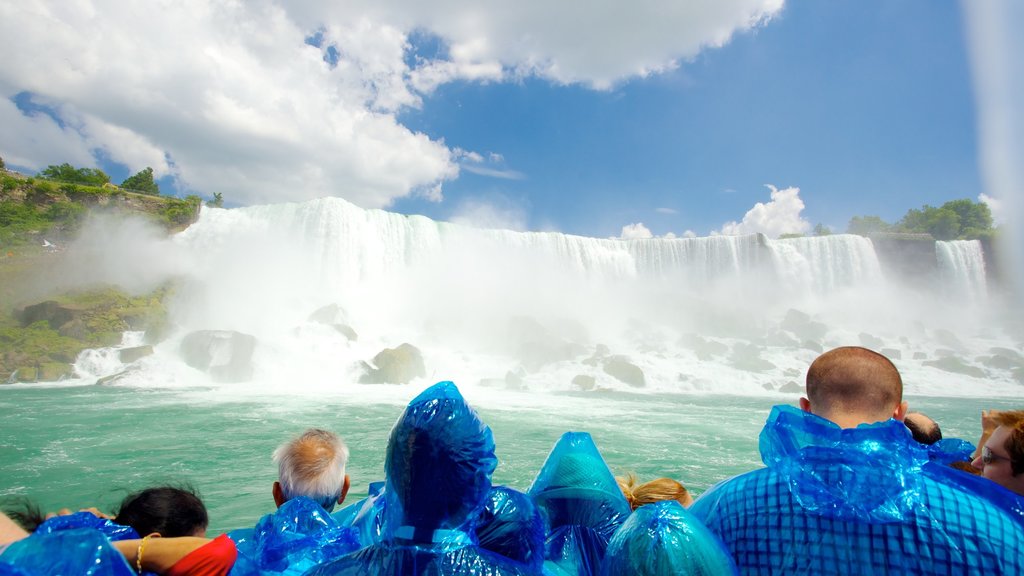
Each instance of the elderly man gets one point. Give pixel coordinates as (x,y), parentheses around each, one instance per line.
(848,491)
(312,465)
(1001,457)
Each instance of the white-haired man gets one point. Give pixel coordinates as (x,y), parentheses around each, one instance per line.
(312,465)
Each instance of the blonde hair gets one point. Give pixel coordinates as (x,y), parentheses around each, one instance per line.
(654,491)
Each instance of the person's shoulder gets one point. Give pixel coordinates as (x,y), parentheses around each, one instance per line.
(747,489)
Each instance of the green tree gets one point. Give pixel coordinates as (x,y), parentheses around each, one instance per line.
(217,202)
(975,217)
(867,225)
(2,165)
(68,173)
(142,182)
(822,230)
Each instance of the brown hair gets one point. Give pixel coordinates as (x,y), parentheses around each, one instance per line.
(854,380)
(653,491)
(1014,421)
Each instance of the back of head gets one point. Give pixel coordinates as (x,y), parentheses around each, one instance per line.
(922,428)
(656,490)
(853,385)
(313,465)
(1013,420)
(166,510)
(439,461)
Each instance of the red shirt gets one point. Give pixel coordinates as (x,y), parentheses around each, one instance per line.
(214,558)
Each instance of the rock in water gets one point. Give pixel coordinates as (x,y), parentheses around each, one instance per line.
(396,366)
(621,369)
(225,355)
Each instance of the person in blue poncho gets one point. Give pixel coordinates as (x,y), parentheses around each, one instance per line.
(438,464)
(582,503)
(848,491)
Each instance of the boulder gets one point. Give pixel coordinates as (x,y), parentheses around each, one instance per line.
(869,341)
(620,368)
(346,331)
(54,313)
(891,353)
(331,314)
(791,387)
(225,355)
(920,356)
(395,366)
(748,357)
(812,345)
(800,324)
(956,366)
(129,355)
(584,382)
(949,340)
(74,329)
(704,349)
(514,379)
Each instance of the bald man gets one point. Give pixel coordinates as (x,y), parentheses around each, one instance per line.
(312,465)
(846,489)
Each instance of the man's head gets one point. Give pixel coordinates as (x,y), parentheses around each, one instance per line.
(852,386)
(312,465)
(922,428)
(1002,456)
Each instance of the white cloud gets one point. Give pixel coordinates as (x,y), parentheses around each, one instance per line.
(227,96)
(689,234)
(497,213)
(995,206)
(635,231)
(779,216)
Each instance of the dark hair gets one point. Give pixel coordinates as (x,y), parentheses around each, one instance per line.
(24,512)
(922,428)
(168,510)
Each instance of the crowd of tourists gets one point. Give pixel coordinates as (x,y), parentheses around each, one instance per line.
(853,483)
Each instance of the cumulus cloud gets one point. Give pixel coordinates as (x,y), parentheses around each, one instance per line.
(270,100)
(636,231)
(781,215)
(995,206)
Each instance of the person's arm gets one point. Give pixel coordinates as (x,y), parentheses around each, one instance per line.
(158,554)
(10,531)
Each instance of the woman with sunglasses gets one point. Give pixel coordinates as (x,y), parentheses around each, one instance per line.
(1001,455)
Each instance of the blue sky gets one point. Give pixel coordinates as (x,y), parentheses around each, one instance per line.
(673,115)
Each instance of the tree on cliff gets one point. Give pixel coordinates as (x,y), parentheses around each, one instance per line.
(68,173)
(217,201)
(867,225)
(964,219)
(142,182)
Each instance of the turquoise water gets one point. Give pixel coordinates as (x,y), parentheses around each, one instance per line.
(83,446)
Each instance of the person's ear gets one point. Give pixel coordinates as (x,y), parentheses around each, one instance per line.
(900,412)
(344,489)
(279,498)
(805,404)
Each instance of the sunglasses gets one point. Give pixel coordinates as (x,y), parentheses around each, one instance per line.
(987,457)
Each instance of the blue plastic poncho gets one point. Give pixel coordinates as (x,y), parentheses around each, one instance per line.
(855,501)
(296,537)
(582,503)
(439,462)
(663,539)
(365,517)
(511,525)
(79,551)
(108,528)
(949,450)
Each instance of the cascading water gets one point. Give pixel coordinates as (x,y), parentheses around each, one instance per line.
(544,311)
(961,266)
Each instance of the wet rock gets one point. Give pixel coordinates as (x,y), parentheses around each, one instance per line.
(791,387)
(620,368)
(800,324)
(225,355)
(129,355)
(920,356)
(331,314)
(514,379)
(748,357)
(704,348)
(869,341)
(584,382)
(782,340)
(956,366)
(346,331)
(396,366)
(891,353)
(812,345)
(52,312)
(949,340)
(74,329)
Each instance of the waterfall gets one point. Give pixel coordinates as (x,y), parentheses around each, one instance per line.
(961,265)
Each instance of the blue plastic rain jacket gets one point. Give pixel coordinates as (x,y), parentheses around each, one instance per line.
(78,551)
(582,504)
(439,461)
(297,536)
(663,539)
(857,501)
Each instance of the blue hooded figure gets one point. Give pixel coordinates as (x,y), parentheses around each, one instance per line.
(582,503)
(439,461)
(512,526)
(663,539)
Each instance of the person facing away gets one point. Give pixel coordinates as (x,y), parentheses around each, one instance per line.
(1001,454)
(312,465)
(922,428)
(847,490)
(652,491)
